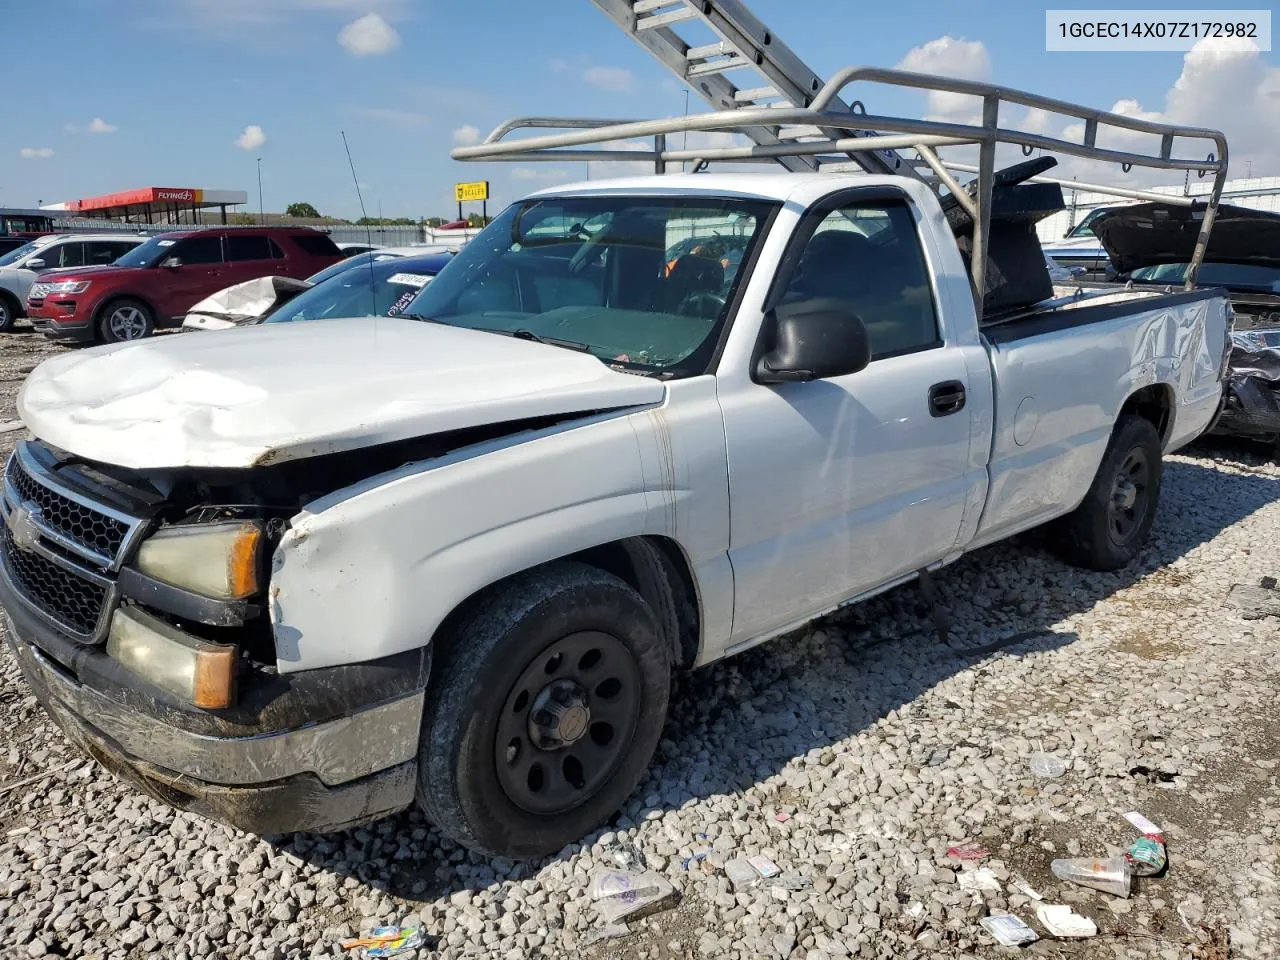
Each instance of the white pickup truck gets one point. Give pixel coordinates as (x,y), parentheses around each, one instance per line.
(301,576)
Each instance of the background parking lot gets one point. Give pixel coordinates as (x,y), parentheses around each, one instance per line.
(855,753)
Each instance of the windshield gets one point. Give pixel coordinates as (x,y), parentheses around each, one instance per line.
(643,283)
(1085,227)
(148,253)
(1234,275)
(342,266)
(384,289)
(13,256)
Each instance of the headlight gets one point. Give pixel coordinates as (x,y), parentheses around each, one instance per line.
(46,288)
(218,560)
(200,672)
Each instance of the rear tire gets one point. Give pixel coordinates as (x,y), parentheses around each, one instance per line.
(1108,529)
(9,312)
(125,319)
(546,708)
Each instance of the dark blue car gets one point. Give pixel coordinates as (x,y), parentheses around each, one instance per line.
(378,288)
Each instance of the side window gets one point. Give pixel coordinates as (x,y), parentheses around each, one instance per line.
(276,252)
(98,252)
(869,256)
(195,250)
(51,254)
(240,247)
(62,255)
(119,249)
(316,244)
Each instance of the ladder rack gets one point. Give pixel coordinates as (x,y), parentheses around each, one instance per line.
(741,44)
(833,144)
(791,117)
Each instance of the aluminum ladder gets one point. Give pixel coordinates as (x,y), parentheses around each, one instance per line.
(742,43)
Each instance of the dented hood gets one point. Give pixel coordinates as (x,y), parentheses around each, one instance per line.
(1151,234)
(286,391)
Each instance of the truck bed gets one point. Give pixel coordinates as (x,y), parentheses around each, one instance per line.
(1062,371)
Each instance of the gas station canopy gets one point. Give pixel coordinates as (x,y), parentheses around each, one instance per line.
(155,204)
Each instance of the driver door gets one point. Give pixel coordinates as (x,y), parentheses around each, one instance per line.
(199,275)
(840,485)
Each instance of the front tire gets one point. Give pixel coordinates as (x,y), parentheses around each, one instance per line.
(9,312)
(124,320)
(1114,520)
(548,704)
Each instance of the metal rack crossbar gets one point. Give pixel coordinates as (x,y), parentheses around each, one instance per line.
(832,145)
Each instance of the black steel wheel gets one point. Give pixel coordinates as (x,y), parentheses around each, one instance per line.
(568,721)
(546,703)
(1129,502)
(1114,520)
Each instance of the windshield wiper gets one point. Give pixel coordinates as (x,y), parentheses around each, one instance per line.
(522,334)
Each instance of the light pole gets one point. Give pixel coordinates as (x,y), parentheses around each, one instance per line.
(684,144)
(261,216)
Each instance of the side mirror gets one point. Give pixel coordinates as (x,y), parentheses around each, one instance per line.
(814,340)
(36,263)
(170,263)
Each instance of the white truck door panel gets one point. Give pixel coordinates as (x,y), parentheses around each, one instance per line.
(841,484)
(838,485)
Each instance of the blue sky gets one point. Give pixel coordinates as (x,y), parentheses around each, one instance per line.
(173,84)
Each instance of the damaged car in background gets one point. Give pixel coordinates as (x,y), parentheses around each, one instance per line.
(1152,243)
(375,284)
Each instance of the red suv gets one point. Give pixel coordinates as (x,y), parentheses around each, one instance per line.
(154,284)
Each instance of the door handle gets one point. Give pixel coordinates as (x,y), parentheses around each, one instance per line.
(946,398)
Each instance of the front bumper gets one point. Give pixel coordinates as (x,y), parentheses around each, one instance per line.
(63,319)
(317,776)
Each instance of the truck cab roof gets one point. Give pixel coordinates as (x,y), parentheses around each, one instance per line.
(780,186)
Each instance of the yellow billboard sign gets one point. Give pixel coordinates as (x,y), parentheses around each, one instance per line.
(465,192)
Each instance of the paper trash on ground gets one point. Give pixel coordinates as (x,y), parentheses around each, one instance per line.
(1060,920)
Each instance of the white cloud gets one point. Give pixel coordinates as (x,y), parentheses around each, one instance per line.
(610,79)
(466,135)
(369,36)
(600,169)
(405,119)
(557,64)
(98,125)
(251,138)
(951,57)
(1034,121)
(36,153)
(1223,85)
(240,13)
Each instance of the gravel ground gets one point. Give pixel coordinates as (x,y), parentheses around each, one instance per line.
(854,753)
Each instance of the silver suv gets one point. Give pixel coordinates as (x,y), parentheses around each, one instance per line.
(18,268)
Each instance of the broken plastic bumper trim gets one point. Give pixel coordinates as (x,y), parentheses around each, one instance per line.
(299,803)
(335,751)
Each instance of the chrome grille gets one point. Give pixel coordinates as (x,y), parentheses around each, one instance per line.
(83,524)
(60,549)
(76,603)
(74,524)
